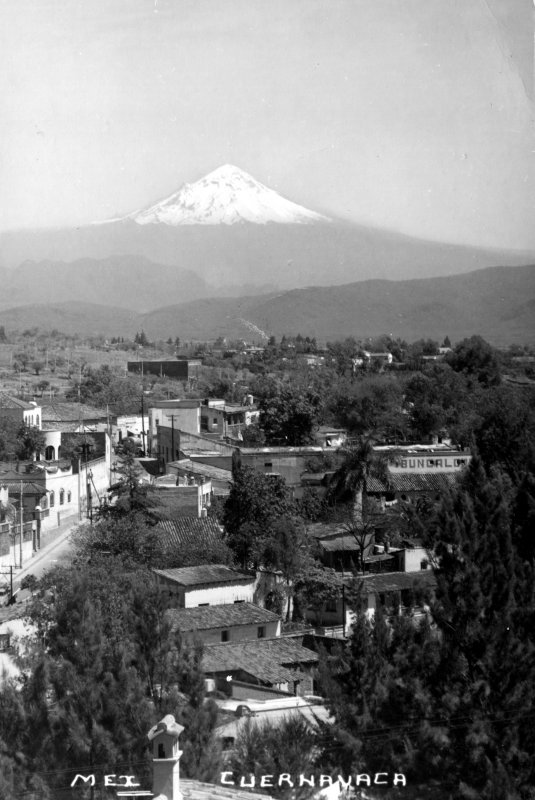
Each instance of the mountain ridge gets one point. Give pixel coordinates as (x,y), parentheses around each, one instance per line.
(293,256)
(113,281)
(497,303)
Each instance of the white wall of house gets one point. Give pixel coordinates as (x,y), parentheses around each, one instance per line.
(11,552)
(52,445)
(70,490)
(219,595)
(33,416)
(413,558)
(181,417)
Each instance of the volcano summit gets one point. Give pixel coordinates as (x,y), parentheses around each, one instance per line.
(226,196)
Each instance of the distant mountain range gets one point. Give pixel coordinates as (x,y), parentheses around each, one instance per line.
(497,303)
(228,256)
(229,230)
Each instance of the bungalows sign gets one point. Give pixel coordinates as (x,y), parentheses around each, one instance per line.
(438,463)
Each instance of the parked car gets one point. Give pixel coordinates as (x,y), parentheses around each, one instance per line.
(242,707)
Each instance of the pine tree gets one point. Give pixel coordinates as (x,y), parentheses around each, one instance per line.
(452,704)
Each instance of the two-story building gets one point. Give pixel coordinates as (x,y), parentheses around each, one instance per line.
(227,420)
(165,419)
(396,592)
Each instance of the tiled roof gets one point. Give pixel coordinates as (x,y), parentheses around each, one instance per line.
(70,412)
(319,530)
(204,618)
(413,482)
(395,581)
(7,401)
(274,660)
(28,488)
(340,542)
(204,574)
(188,530)
(195,790)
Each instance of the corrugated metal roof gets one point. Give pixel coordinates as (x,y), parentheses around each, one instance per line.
(204,574)
(207,617)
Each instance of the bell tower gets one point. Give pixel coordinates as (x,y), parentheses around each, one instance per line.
(165,757)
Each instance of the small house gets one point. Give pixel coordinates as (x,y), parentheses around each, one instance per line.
(206,585)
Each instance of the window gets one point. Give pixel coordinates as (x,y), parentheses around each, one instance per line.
(37,420)
(261,633)
(424,563)
(61,496)
(69,495)
(203,604)
(238,601)
(224,636)
(331,606)
(52,499)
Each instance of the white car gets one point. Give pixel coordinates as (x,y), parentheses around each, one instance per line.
(251,707)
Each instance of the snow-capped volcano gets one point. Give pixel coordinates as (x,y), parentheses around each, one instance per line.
(225,196)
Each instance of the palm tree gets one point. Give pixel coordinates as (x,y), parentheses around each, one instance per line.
(350,482)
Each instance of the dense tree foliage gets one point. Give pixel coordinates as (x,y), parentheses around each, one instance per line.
(130,494)
(266,748)
(478,359)
(104,668)
(288,413)
(19,440)
(102,387)
(452,705)
(255,503)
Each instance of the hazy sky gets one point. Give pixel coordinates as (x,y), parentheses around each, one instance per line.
(415,115)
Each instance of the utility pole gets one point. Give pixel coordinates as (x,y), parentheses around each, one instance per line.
(21,524)
(143,424)
(343,607)
(172,436)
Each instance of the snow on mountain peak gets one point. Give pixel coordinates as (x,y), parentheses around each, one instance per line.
(226,196)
